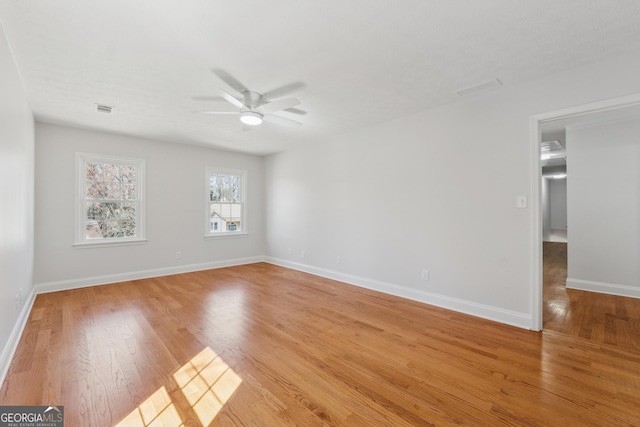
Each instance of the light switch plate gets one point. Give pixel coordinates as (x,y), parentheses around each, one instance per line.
(521,202)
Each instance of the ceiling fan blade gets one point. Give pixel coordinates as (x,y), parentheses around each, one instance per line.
(295,111)
(278,105)
(232,100)
(284,90)
(281,120)
(208,98)
(230,80)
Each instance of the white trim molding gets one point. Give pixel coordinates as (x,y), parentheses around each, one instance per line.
(63,285)
(508,317)
(603,288)
(10,347)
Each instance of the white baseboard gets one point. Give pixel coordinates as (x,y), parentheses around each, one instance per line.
(468,307)
(11,345)
(603,288)
(63,285)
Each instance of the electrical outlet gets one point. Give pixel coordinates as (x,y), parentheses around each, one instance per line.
(178,255)
(339,259)
(425,275)
(301,254)
(290,251)
(17,302)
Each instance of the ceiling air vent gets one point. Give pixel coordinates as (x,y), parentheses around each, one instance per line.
(479,87)
(101,108)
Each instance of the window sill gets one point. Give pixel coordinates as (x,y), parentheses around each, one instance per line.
(226,235)
(91,245)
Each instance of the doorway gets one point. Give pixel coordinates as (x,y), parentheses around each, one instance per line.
(609,108)
(556,303)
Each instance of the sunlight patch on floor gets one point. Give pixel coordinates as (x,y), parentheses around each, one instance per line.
(207,383)
(158,410)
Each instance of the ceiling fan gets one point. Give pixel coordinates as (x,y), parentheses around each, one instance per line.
(254,107)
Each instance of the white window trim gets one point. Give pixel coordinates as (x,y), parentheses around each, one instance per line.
(208,171)
(80,240)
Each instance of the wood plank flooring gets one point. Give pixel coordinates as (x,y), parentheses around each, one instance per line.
(261,345)
(608,319)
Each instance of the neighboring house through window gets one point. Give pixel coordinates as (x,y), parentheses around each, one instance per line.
(225,195)
(110,199)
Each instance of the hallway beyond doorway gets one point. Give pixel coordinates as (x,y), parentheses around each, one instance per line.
(557,236)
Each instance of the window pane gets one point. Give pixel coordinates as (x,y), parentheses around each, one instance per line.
(94,172)
(214,189)
(225,216)
(128,174)
(128,228)
(113,229)
(94,211)
(225,188)
(236,211)
(95,190)
(236,185)
(129,191)
(93,230)
(111,173)
(128,211)
(223,181)
(113,191)
(216,208)
(110,209)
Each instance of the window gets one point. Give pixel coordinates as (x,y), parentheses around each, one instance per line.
(110,201)
(225,196)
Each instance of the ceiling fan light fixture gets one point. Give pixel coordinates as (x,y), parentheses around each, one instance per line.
(251,118)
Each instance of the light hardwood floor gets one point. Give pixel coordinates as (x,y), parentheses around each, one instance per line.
(261,345)
(607,319)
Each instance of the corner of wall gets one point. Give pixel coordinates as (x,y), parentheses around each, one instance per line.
(11,344)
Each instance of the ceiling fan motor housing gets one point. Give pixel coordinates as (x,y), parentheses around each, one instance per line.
(251,99)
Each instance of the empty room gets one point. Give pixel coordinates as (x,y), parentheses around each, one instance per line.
(297,213)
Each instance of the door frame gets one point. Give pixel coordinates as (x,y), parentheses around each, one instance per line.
(536,176)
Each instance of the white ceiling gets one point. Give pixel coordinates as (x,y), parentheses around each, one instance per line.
(361,61)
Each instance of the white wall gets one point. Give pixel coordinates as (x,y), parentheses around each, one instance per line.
(546,210)
(604,207)
(16,205)
(558,203)
(448,179)
(175,210)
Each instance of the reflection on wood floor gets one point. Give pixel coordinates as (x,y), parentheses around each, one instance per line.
(261,345)
(608,319)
